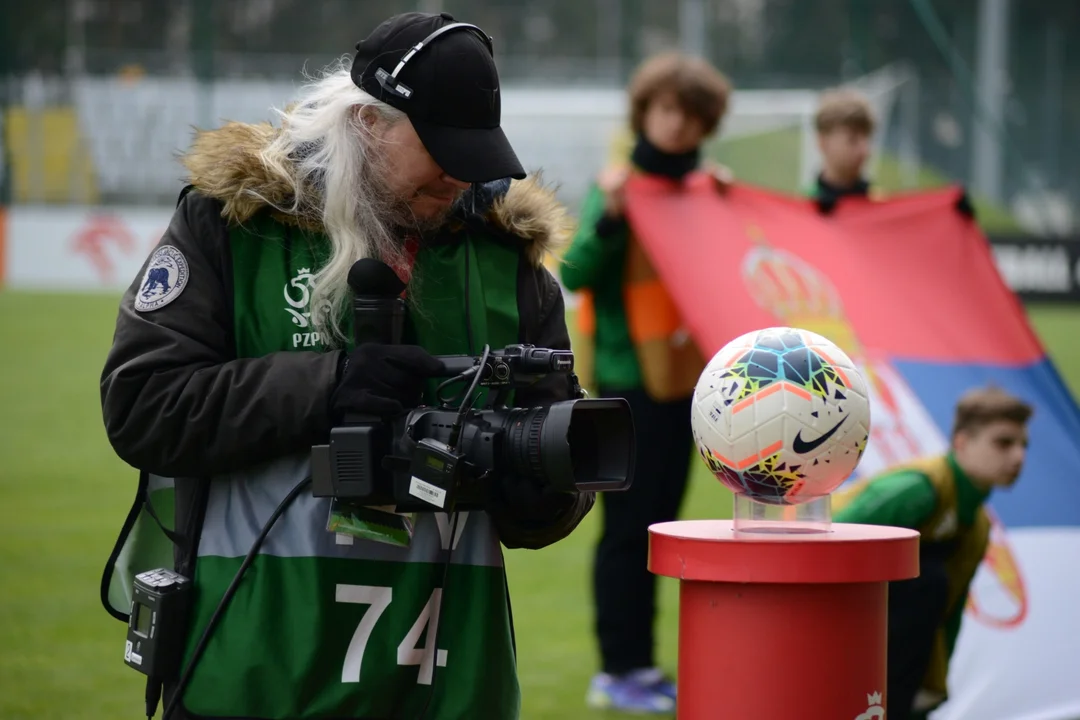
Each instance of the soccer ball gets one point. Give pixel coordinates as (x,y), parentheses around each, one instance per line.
(781,415)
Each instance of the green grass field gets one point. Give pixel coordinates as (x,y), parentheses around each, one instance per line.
(63,495)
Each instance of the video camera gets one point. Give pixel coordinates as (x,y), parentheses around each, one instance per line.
(439,458)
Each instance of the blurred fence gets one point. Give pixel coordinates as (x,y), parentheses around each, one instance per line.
(106,140)
(97,96)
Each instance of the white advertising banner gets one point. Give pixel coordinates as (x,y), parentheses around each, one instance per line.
(79,248)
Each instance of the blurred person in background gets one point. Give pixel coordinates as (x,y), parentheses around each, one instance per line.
(845,125)
(943,498)
(232,357)
(676,102)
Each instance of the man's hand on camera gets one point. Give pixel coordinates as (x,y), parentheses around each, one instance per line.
(382,380)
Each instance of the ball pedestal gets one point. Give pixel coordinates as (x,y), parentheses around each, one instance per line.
(782,618)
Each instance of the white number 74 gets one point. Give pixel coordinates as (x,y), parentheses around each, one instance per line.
(407,653)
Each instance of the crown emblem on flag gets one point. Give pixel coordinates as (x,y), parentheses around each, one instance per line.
(796,293)
(788,287)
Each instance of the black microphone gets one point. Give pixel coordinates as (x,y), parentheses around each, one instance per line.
(378,309)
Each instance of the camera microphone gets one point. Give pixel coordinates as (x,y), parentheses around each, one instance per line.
(378,308)
(378,317)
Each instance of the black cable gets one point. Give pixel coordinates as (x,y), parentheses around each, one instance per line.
(457,378)
(438,628)
(454,433)
(153,695)
(467,401)
(185,677)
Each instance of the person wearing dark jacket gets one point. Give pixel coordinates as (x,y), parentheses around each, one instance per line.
(645,355)
(232,357)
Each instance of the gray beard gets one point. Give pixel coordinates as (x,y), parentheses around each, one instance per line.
(393,213)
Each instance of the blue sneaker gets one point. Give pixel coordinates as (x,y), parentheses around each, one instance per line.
(635,692)
(655,679)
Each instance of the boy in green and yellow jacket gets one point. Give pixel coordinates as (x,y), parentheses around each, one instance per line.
(943,498)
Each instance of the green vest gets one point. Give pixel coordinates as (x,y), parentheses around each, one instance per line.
(967,544)
(332,626)
(968,547)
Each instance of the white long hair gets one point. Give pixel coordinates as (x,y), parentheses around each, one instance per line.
(334,164)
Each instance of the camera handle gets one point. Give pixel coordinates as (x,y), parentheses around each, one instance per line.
(498,400)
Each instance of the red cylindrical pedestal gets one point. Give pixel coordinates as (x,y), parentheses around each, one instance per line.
(782,626)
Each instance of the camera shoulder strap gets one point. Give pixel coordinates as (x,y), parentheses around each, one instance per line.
(147,542)
(110,589)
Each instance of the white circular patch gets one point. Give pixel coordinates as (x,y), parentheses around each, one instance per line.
(164,280)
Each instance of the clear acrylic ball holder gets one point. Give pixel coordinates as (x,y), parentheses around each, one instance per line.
(754,516)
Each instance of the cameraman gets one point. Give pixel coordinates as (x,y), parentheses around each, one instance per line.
(232,358)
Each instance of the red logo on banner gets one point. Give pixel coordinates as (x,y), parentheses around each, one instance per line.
(102,238)
(96,239)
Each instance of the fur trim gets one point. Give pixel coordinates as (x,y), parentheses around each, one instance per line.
(530,211)
(224,164)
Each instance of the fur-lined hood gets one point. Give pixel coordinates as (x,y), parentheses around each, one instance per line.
(224,164)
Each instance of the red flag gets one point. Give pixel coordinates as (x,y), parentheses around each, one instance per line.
(880,256)
(909,289)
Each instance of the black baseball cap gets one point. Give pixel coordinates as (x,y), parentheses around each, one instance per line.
(449,89)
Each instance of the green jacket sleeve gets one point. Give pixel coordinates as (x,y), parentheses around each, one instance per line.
(592,257)
(906,499)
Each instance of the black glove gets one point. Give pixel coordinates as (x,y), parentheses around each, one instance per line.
(382,380)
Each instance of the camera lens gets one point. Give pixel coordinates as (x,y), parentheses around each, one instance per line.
(523,441)
(576,445)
